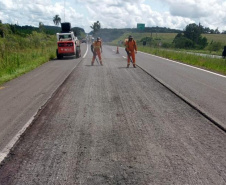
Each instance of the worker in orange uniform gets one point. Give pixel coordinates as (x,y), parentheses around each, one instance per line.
(97,50)
(131,49)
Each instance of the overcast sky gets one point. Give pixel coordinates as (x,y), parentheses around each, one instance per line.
(174,14)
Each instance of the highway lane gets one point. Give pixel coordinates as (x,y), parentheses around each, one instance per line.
(205,90)
(21,98)
(113,125)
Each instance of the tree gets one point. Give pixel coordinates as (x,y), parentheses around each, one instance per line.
(41,27)
(202,42)
(217,31)
(215,46)
(96,27)
(1,31)
(180,41)
(206,30)
(193,32)
(56,20)
(5,29)
(191,38)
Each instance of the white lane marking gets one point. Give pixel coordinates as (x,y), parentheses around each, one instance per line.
(185,65)
(123,56)
(13,141)
(86,51)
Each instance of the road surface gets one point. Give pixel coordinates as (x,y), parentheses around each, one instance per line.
(21,98)
(203,89)
(113,125)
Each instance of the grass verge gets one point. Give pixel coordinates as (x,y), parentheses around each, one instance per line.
(15,64)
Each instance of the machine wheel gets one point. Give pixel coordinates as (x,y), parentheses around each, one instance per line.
(78,52)
(58,55)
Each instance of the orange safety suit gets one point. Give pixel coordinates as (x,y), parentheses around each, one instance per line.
(97,49)
(131,48)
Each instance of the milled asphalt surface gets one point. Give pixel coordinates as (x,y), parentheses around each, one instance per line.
(21,98)
(205,90)
(113,125)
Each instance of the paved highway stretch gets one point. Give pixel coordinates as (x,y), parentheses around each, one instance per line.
(205,90)
(21,98)
(113,125)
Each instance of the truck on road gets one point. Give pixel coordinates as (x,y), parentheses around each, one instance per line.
(67,43)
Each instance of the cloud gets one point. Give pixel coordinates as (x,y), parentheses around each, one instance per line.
(116,14)
(193,11)
(210,13)
(132,13)
(24,12)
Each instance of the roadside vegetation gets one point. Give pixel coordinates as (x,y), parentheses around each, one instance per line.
(24,48)
(20,53)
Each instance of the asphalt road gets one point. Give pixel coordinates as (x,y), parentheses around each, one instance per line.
(203,89)
(21,98)
(113,125)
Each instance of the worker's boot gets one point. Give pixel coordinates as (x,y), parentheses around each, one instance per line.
(92,63)
(127,65)
(134,65)
(101,63)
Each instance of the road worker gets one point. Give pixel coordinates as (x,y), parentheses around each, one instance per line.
(97,50)
(131,49)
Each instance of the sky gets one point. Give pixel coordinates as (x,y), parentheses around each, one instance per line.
(174,14)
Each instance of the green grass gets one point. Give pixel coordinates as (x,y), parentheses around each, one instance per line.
(19,55)
(216,38)
(163,37)
(16,64)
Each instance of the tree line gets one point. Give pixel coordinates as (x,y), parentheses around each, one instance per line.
(191,37)
(27,30)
